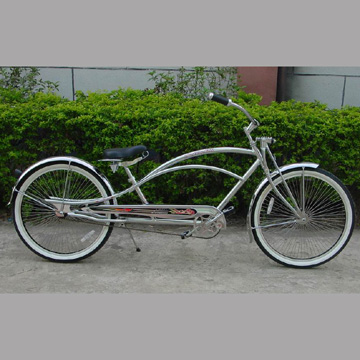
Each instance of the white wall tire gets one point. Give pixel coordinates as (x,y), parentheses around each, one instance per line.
(50,236)
(326,227)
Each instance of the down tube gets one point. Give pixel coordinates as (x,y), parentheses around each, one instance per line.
(240,183)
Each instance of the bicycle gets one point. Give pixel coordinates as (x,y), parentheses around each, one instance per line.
(300,215)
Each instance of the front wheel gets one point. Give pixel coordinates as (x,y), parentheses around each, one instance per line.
(38,222)
(322,231)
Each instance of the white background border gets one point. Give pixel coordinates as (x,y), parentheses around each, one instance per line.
(168,33)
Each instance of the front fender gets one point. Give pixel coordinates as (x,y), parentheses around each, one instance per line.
(265,182)
(70,160)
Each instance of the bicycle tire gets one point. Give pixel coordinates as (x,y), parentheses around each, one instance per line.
(41,230)
(320,235)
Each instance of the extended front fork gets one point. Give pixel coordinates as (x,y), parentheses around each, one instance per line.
(294,207)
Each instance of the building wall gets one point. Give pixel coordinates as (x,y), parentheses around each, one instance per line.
(97,79)
(334,86)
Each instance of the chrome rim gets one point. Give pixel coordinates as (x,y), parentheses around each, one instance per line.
(318,234)
(41,225)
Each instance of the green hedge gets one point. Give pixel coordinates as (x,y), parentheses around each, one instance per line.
(47,125)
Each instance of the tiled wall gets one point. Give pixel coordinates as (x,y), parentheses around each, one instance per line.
(93,79)
(334,86)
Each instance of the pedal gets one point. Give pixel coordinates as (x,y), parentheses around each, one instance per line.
(186,234)
(230,210)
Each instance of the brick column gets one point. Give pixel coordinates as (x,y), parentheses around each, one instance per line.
(260,80)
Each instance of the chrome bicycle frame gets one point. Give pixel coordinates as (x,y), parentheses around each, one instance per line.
(98,213)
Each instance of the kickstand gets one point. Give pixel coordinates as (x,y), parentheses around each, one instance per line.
(132,238)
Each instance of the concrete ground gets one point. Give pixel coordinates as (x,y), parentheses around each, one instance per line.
(227,263)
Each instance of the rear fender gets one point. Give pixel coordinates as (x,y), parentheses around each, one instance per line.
(49,161)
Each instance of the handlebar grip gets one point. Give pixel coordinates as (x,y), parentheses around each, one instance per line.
(220,99)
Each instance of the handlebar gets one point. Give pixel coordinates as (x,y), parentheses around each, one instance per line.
(220,99)
(228,102)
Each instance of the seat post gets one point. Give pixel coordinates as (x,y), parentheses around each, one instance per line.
(133,181)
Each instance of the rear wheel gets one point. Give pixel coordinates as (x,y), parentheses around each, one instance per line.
(322,232)
(40,225)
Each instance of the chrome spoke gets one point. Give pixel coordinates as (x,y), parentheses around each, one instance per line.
(316,233)
(49,229)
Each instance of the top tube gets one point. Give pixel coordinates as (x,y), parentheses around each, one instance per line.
(197,153)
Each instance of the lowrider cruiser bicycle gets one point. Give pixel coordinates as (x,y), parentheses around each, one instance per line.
(301,216)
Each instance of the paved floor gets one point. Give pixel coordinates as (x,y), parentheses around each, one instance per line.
(227,263)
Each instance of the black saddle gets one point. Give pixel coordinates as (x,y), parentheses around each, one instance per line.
(124,153)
